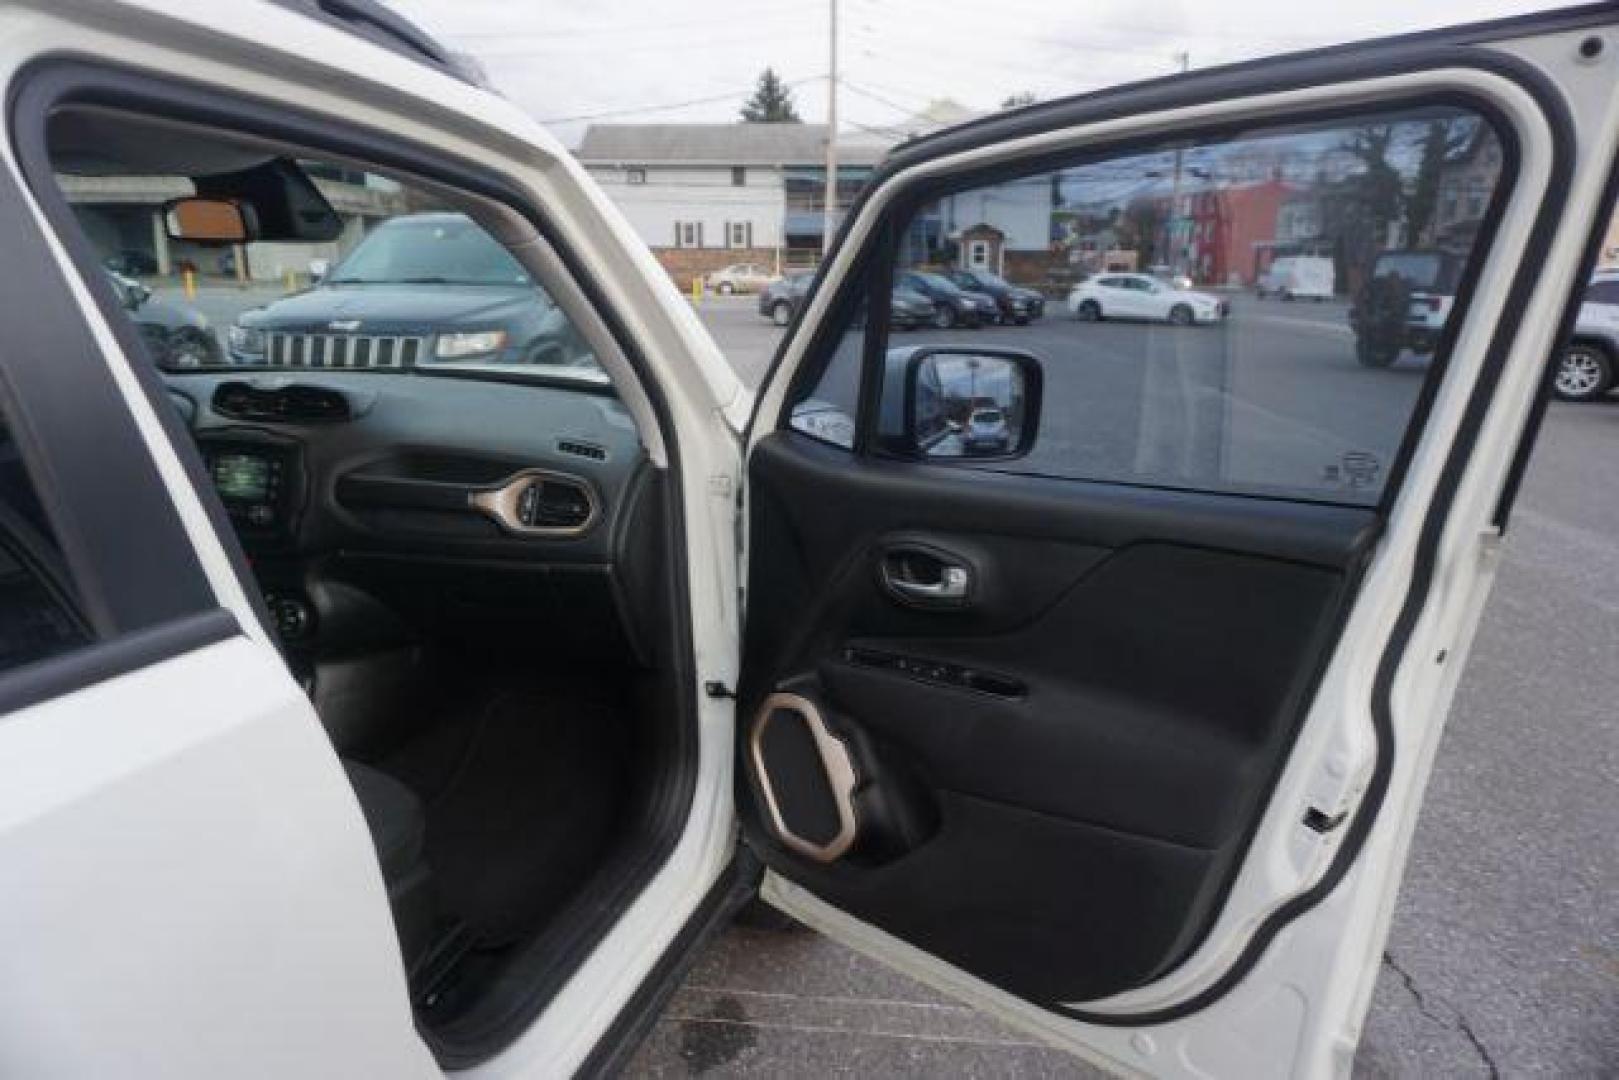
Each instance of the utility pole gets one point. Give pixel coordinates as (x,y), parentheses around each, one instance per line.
(830,196)
(1183,59)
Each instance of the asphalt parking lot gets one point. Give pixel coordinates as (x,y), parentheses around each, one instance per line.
(1504,954)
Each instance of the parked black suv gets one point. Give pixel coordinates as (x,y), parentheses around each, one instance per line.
(952,305)
(176,336)
(780,299)
(1016,304)
(426,289)
(1404,304)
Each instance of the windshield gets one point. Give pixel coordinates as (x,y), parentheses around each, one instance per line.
(395,280)
(938,281)
(1420,269)
(982,277)
(436,250)
(987,416)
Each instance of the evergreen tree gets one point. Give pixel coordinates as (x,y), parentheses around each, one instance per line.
(771,103)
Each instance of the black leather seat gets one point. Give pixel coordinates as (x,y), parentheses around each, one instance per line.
(398,824)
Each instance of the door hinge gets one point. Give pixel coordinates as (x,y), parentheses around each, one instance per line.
(716,689)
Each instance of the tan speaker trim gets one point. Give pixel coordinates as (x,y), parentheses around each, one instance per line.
(835,760)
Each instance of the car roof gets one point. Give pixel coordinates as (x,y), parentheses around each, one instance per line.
(381,25)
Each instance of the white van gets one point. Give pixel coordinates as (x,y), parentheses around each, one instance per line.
(1298,276)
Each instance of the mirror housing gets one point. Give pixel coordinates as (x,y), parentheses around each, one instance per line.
(960,403)
(203,220)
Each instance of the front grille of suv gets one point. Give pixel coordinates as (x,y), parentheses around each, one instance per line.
(342,350)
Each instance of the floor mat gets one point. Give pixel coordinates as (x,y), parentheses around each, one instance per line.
(530,808)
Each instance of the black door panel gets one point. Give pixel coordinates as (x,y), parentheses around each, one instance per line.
(1049,909)
(1089,737)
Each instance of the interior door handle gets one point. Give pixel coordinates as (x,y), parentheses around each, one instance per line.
(952,585)
(925,578)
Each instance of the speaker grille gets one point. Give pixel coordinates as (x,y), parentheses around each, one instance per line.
(807,777)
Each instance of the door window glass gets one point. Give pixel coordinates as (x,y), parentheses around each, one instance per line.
(39,608)
(1179,374)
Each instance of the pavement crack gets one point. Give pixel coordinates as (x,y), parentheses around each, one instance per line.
(1411,986)
(1459,1020)
(1466,1029)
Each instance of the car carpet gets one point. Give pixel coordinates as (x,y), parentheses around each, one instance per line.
(526,812)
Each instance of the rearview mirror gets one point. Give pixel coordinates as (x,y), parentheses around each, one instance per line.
(969,403)
(210,221)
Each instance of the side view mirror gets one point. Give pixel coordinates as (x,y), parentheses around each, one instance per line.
(138,295)
(318,269)
(961,403)
(210,221)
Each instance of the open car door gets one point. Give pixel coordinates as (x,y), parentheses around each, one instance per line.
(1093,670)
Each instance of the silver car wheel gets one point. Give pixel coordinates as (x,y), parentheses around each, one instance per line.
(1580,373)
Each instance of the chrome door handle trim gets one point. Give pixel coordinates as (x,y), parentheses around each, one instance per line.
(952,585)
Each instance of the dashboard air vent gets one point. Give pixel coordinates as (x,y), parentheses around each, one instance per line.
(293,404)
(554,503)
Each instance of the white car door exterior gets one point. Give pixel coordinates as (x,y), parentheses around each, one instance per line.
(1155,300)
(1277,981)
(190,888)
(201,894)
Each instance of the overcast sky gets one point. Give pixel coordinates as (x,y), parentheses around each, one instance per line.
(567,61)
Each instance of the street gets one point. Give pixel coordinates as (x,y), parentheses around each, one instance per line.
(1272,400)
(1504,954)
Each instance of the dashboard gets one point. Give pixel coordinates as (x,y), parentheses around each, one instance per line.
(442,501)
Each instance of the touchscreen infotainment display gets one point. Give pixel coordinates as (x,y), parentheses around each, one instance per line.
(244,477)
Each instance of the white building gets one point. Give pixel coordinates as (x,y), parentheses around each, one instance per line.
(705,195)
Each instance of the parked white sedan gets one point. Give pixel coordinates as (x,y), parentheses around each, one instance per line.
(1141,296)
(739,278)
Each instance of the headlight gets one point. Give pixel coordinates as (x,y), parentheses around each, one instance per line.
(475,343)
(244,340)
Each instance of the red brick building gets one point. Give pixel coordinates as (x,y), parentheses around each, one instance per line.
(1217,234)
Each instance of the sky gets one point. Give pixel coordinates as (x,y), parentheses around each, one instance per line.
(651,61)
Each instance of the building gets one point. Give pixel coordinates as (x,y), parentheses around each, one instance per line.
(123,217)
(1466,180)
(704,196)
(1223,234)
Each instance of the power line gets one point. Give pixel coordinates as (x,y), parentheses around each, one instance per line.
(926,99)
(631,110)
(520,51)
(1043,10)
(954,59)
(878,98)
(614,30)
